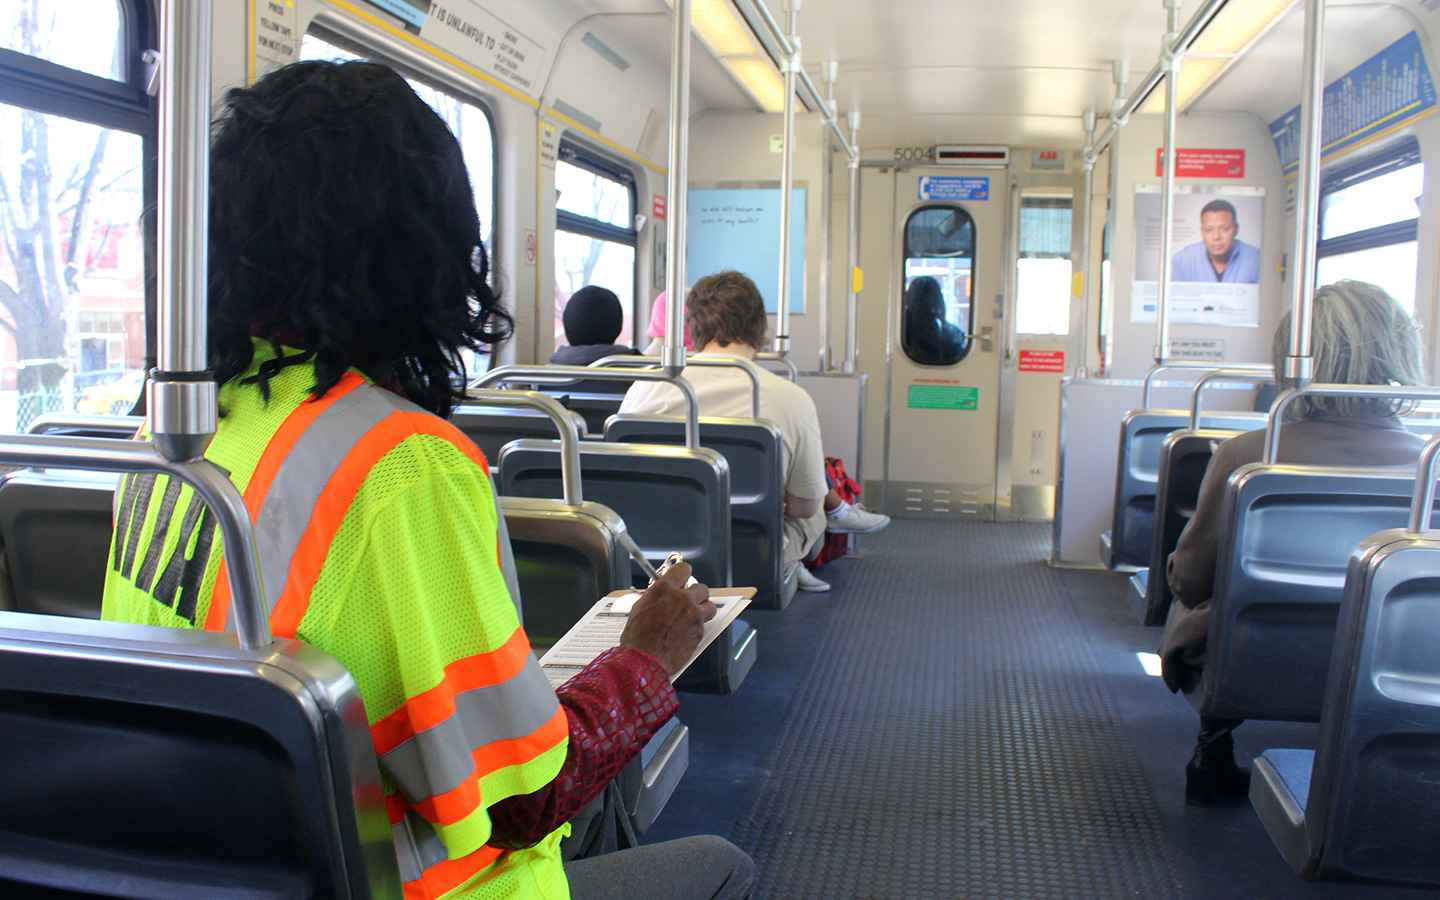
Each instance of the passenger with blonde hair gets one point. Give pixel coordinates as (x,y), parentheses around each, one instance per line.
(1361,336)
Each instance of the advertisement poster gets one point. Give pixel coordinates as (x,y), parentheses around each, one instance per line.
(1215,255)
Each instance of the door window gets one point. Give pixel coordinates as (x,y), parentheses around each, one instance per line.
(937,314)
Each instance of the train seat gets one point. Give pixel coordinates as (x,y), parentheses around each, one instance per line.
(1183,459)
(113,744)
(594,408)
(1137,473)
(671,499)
(566,557)
(1286,536)
(55,529)
(754,450)
(492,428)
(1362,805)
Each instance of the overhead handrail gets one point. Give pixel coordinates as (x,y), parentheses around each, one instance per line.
(1424,488)
(1207,366)
(585,373)
(570,489)
(211,484)
(1216,375)
(626,361)
(1180,45)
(1363,391)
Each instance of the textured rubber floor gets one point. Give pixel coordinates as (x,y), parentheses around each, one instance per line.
(952,740)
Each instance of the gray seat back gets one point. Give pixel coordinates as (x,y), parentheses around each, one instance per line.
(1286,539)
(671,498)
(122,776)
(55,529)
(754,450)
(1137,474)
(566,557)
(594,408)
(1373,791)
(1184,458)
(492,428)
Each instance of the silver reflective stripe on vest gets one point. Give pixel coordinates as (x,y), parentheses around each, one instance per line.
(417,846)
(440,758)
(303,475)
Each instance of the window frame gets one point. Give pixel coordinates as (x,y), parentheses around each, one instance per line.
(905,257)
(52,89)
(583,157)
(1400,156)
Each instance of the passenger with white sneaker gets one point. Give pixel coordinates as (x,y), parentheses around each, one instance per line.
(725,317)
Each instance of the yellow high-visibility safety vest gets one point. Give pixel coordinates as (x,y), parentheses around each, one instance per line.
(376,533)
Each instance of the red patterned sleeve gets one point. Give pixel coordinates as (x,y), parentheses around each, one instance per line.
(614,706)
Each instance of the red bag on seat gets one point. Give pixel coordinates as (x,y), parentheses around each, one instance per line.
(835,546)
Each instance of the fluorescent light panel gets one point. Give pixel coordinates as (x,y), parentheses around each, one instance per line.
(1234,30)
(728,37)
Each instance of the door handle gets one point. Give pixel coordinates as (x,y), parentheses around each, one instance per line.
(986,337)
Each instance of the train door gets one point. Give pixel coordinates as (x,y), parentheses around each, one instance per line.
(933,252)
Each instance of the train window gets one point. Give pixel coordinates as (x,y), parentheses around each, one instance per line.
(939,285)
(84,35)
(76,171)
(1042,298)
(1369,222)
(595,234)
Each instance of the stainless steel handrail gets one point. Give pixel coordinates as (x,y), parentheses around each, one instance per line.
(1424,487)
(54,421)
(1216,375)
(581,373)
(1162,367)
(252,624)
(785,361)
(570,488)
(625,361)
(1365,391)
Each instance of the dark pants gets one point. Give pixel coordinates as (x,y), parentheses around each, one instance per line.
(704,867)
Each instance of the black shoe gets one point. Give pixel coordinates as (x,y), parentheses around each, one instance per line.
(1212,771)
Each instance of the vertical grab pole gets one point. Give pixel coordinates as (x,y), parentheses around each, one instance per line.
(1171,57)
(829,74)
(1082,321)
(182,392)
(852,250)
(787,169)
(672,354)
(1299,365)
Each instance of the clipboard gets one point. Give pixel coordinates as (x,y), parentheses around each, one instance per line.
(600,629)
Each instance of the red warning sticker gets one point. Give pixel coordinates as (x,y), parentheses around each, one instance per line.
(1042,361)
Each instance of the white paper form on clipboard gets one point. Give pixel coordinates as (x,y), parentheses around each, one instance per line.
(600,628)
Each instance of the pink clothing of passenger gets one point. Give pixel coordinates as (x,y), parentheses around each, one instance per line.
(657,322)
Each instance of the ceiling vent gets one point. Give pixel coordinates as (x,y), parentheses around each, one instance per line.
(972,155)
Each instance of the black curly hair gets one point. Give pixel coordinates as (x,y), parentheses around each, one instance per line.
(342,223)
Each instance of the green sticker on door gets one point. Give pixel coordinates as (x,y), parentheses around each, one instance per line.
(943,396)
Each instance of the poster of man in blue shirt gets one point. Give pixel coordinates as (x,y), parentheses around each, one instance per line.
(1219,256)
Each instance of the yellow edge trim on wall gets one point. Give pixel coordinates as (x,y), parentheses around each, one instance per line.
(434,51)
(1379,135)
(250,63)
(571,123)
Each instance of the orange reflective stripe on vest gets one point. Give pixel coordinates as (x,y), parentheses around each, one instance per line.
(488,712)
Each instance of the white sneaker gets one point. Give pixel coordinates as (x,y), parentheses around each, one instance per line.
(852,518)
(808,582)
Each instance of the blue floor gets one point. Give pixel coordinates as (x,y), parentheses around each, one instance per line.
(955,719)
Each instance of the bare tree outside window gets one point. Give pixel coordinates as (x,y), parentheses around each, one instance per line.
(61,214)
